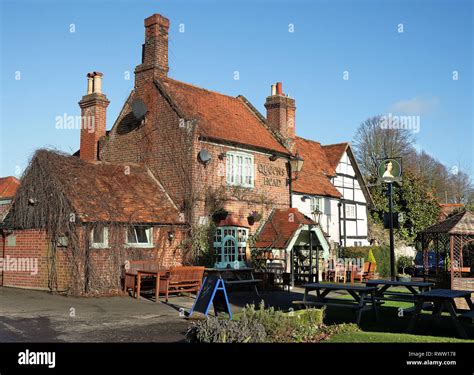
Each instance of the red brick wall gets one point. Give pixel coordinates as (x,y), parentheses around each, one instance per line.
(161,143)
(104,262)
(262,197)
(29,244)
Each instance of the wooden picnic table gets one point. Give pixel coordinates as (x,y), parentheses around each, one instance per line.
(157,274)
(443,299)
(382,292)
(236,276)
(361,295)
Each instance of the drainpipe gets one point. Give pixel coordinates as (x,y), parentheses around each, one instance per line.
(289,184)
(345,223)
(4,239)
(339,222)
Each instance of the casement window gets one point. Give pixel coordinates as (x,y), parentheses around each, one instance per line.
(239,169)
(229,247)
(140,236)
(350,211)
(100,237)
(316,204)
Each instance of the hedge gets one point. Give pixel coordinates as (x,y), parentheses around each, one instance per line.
(381,254)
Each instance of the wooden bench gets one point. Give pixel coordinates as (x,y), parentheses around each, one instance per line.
(185,279)
(366,274)
(130,272)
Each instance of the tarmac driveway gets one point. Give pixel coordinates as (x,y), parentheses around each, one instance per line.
(38,316)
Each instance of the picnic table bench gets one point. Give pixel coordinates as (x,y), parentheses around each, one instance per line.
(361,297)
(443,299)
(382,293)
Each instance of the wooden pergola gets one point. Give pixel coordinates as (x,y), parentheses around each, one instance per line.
(452,240)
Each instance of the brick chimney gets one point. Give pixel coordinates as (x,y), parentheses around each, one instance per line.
(154,50)
(93,115)
(281,113)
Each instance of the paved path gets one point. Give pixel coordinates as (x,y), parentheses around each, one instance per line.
(37,316)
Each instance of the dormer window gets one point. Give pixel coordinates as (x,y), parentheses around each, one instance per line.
(229,245)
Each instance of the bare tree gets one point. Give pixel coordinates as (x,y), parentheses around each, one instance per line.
(373,141)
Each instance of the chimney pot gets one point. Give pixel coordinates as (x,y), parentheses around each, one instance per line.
(279,88)
(274,90)
(89,84)
(97,83)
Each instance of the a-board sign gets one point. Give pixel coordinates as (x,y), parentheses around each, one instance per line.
(212,292)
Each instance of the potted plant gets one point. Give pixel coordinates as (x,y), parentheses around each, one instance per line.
(219,214)
(403,263)
(253,217)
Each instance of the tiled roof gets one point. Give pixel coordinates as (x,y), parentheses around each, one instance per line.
(111,192)
(280,228)
(314,177)
(221,117)
(334,154)
(232,221)
(447,209)
(8,186)
(461,223)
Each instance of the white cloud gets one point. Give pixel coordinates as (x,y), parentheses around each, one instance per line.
(416,106)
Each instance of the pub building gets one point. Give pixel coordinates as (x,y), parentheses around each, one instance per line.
(219,160)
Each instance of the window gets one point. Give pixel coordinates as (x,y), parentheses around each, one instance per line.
(239,169)
(99,237)
(139,236)
(350,211)
(229,246)
(316,204)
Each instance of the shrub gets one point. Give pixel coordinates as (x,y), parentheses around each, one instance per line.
(217,330)
(299,326)
(404,262)
(260,325)
(370,257)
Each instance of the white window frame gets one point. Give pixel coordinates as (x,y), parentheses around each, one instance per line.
(149,233)
(238,171)
(100,245)
(316,202)
(347,211)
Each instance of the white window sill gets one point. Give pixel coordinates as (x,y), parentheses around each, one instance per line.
(100,246)
(141,245)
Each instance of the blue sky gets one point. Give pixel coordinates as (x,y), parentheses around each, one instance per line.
(389,72)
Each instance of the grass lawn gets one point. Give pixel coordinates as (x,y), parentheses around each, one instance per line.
(378,337)
(391,327)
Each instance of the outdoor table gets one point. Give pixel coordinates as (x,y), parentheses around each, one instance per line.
(360,294)
(410,285)
(157,274)
(442,299)
(239,276)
